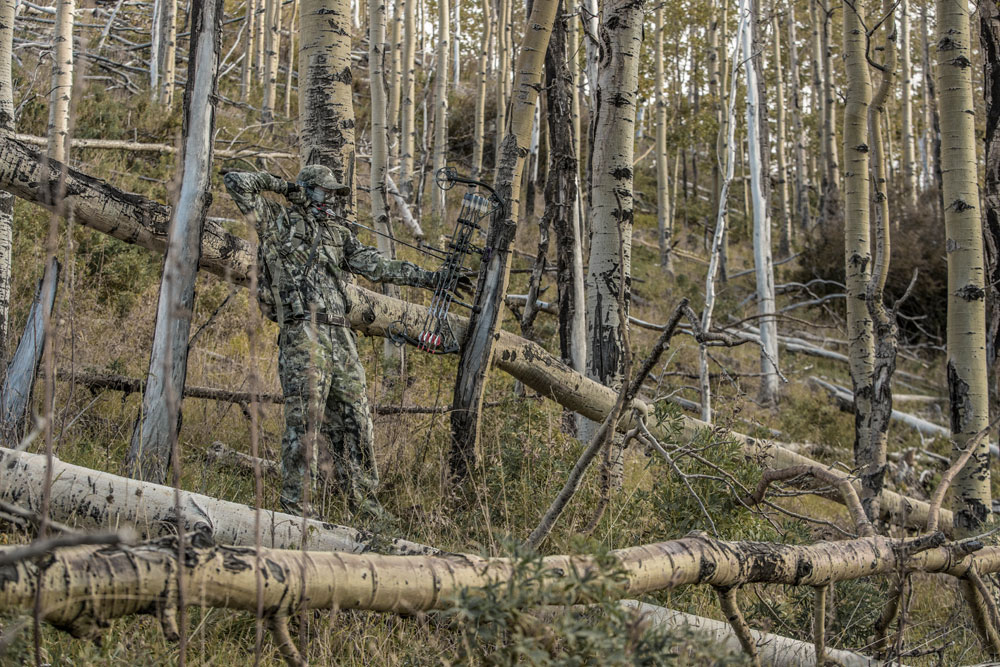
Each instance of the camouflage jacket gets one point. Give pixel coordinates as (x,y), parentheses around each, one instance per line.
(305,259)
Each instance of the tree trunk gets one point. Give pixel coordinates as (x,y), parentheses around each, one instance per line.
(167,51)
(154,438)
(967,381)
(909,154)
(561,191)
(380,156)
(478,343)
(817,104)
(785,221)
(7,128)
(989,36)
(870,456)
(394,46)
(758,157)
(293,21)
(609,271)
(249,22)
(479,123)
(441,76)
(503,57)
(456,63)
(144,579)
(272,47)
(407,129)
(93,500)
(831,188)
(664,233)
(857,243)
(62,82)
(326,105)
(139,221)
(801,189)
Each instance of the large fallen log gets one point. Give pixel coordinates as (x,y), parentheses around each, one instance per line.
(81,588)
(93,499)
(140,221)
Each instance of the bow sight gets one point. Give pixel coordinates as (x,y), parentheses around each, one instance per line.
(436,335)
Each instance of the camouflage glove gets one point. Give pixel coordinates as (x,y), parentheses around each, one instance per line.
(463,286)
(295,193)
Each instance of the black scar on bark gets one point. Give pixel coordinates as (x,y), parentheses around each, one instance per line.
(232,562)
(622,173)
(8,575)
(276,570)
(958,399)
(971,293)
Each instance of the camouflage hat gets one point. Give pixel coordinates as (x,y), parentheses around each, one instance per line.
(322,176)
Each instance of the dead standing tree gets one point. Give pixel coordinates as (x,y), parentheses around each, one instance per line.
(155,435)
(478,346)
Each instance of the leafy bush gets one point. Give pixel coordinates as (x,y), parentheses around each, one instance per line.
(917,242)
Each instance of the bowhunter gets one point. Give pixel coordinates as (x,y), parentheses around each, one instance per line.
(306,254)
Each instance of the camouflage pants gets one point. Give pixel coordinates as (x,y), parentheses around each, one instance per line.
(325,402)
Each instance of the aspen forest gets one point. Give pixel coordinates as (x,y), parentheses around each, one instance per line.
(692,360)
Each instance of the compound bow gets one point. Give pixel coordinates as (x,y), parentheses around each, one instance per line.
(437,336)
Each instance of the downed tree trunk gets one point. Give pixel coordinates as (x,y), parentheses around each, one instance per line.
(845,399)
(80,588)
(94,499)
(774,650)
(140,221)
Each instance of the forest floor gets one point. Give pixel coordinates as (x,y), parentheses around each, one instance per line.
(105,313)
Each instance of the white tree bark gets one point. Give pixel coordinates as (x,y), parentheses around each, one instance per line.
(479,122)
(155,436)
(91,499)
(763,266)
(167,51)
(272,46)
(441,106)
(609,269)
(721,218)
(407,129)
(62,81)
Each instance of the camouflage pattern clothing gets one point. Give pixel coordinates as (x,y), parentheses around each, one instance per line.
(307,257)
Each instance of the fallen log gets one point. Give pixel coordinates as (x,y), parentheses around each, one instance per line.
(167,149)
(773,650)
(143,222)
(93,499)
(845,399)
(81,588)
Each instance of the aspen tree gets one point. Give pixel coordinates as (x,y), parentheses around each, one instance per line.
(441,74)
(326,106)
(857,238)
(478,346)
(62,81)
(503,60)
(967,381)
(801,189)
(785,221)
(664,232)
(394,45)
(6,199)
(272,47)
(380,153)
(456,37)
(260,42)
(479,122)
(870,455)
(247,66)
(293,19)
(609,268)
(909,156)
(154,438)
(757,157)
(407,129)
(831,189)
(561,193)
(989,37)
(817,101)
(167,51)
